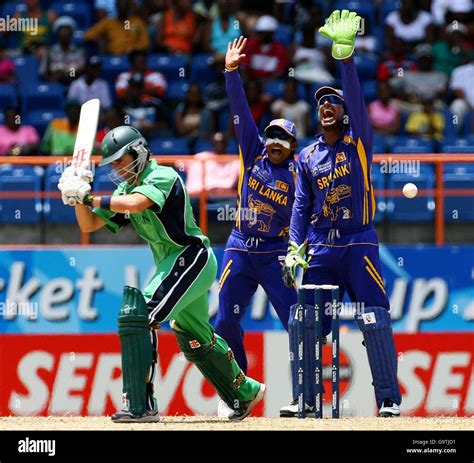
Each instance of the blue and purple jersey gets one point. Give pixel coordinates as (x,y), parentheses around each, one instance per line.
(333,187)
(265,191)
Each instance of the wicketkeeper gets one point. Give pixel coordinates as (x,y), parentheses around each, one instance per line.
(332,220)
(153,199)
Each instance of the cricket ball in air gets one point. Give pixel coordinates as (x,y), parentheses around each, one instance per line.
(410,190)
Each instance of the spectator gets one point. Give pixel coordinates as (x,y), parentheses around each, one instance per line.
(206,9)
(424,82)
(410,24)
(7,67)
(384,113)
(257,100)
(221,178)
(450,52)
(190,115)
(114,117)
(61,133)
(16,139)
(456,10)
(177,31)
(428,123)
(397,63)
(154,82)
(215,97)
(310,62)
(105,9)
(265,58)
(35,40)
(293,109)
(90,85)
(221,29)
(114,37)
(64,60)
(147,115)
(462,85)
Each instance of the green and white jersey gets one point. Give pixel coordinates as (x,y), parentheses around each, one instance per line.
(169,224)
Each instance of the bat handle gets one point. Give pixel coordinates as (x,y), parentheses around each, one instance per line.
(71,201)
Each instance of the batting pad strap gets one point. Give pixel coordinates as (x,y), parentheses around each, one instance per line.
(376,327)
(137,351)
(215,361)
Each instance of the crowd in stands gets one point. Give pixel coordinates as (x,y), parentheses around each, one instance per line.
(158,65)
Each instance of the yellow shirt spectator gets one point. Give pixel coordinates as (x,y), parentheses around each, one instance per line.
(427,123)
(120,36)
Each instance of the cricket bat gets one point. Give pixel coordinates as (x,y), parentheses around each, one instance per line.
(85,137)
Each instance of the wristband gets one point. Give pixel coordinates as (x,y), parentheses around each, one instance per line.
(228,68)
(87,200)
(105,202)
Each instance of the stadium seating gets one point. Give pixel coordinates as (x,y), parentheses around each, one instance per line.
(284,34)
(459,208)
(201,70)
(102,182)
(276,88)
(20,179)
(8,96)
(365,8)
(459,145)
(11,8)
(26,70)
(177,90)
(412,145)
(168,146)
(77,10)
(419,209)
(366,65)
(54,210)
(43,96)
(369,90)
(112,66)
(379,182)
(172,67)
(388,6)
(40,119)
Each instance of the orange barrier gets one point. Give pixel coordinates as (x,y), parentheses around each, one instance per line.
(439,160)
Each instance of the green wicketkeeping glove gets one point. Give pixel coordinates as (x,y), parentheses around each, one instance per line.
(293,259)
(341,27)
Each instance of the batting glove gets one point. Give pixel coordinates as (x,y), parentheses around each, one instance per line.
(84,174)
(293,259)
(73,189)
(341,27)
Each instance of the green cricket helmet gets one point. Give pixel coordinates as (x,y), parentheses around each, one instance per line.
(119,142)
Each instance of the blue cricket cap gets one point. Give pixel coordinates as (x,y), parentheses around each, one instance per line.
(288,126)
(328,91)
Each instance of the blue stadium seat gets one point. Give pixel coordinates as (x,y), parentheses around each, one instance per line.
(54,209)
(276,88)
(40,119)
(48,97)
(102,182)
(412,145)
(459,145)
(419,209)
(388,6)
(366,65)
(468,124)
(378,182)
(203,144)
(365,8)
(170,146)
(11,8)
(284,34)
(8,96)
(81,12)
(112,66)
(378,147)
(177,90)
(26,70)
(20,179)
(172,67)
(232,146)
(224,120)
(201,70)
(451,128)
(459,208)
(369,89)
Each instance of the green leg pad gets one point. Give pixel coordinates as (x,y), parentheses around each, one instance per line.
(133,330)
(216,362)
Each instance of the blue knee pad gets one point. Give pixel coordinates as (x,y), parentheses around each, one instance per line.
(308,351)
(376,327)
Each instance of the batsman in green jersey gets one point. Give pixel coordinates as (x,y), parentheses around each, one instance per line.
(154,200)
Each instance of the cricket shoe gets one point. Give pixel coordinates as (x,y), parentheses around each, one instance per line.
(223,410)
(290,411)
(125,416)
(389,409)
(247,407)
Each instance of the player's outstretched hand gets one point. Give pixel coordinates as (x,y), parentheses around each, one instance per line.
(234,53)
(293,259)
(341,27)
(73,190)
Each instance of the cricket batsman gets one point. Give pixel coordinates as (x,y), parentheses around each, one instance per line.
(265,198)
(332,220)
(153,199)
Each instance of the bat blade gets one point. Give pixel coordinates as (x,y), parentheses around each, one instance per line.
(85,137)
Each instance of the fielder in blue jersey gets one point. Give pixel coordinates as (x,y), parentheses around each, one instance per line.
(332,220)
(265,198)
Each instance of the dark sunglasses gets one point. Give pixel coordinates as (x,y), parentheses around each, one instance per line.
(331,99)
(280,134)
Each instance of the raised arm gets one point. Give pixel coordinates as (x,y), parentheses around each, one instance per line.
(245,126)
